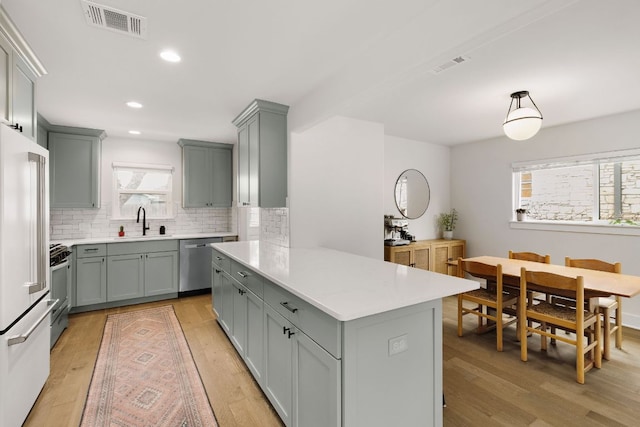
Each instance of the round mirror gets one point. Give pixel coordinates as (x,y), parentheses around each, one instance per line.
(412,194)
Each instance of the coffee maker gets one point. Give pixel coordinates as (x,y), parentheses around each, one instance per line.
(395,231)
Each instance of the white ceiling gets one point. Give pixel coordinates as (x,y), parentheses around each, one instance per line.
(368,59)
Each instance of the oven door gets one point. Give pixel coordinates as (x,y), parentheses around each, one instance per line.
(59,287)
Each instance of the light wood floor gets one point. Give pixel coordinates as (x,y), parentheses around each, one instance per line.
(482,387)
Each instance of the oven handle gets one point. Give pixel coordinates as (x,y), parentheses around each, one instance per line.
(59,266)
(19,339)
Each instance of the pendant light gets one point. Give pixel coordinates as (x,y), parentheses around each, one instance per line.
(522,122)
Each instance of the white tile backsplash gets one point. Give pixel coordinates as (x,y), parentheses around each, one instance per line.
(79,223)
(274,226)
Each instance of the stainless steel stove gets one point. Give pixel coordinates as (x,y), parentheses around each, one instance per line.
(60,281)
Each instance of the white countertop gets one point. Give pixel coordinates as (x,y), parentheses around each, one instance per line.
(116,239)
(344,285)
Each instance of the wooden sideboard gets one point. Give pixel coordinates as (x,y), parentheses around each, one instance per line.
(433,255)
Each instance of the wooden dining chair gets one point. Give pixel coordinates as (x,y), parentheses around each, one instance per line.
(490,302)
(530,256)
(609,308)
(578,321)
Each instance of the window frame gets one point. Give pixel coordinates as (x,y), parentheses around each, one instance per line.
(116,213)
(595,226)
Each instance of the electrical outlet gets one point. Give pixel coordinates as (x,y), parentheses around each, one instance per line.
(398,344)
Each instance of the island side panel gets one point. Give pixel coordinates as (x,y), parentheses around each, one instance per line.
(392,368)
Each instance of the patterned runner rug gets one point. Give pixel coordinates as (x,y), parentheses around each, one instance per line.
(145,375)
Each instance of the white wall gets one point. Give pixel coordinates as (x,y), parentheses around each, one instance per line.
(336,182)
(481,191)
(433,161)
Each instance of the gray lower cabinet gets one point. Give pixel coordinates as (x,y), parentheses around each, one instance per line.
(74,170)
(216,289)
(301,380)
(91,281)
(125,277)
(268,327)
(226,295)
(107,273)
(316,384)
(90,274)
(141,269)
(160,273)
(278,363)
(207,176)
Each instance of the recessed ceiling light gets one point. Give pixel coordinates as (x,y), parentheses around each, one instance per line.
(134,132)
(134,104)
(170,56)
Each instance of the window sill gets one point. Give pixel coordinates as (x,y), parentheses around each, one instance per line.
(576,227)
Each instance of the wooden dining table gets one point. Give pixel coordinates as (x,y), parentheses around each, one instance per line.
(596,283)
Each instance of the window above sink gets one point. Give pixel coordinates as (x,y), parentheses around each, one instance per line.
(146,185)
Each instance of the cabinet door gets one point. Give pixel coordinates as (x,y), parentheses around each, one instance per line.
(226,319)
(254,347)
(221,177)
(243,166)
(440,258)
(254,161)
(421,258)
(278,358)
(197,177)
(91,281)
(125,277)
(456,250)
(402,256)
(317,385)
(5,78)
(160,273)
(24,98)
(216,290)
(74,170)
(239,325)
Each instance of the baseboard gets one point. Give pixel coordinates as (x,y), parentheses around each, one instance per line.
(631,320)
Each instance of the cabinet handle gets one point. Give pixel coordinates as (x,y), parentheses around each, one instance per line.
(217,271)
(91,250)
(242,274)
(286,305)
(241,292)
(289,333)
(103,260)
(285,330)
(219,258)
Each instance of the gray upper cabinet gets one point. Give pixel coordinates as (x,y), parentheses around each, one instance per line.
(18,75)
(24,98)
(262,155)
(207,176)
(75,167)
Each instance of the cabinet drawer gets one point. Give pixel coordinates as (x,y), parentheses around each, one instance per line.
(84,251)
(247,277)
(319,326)
(142,247)
(221,260)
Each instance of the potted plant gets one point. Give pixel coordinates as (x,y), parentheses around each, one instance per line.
(447,223)
(521,214)
(121,232)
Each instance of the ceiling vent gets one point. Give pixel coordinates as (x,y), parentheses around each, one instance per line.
(115,20)
(449,64)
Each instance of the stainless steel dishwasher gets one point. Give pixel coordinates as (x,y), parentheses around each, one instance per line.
(195,265)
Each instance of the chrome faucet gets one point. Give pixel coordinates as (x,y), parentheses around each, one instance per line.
(145,227)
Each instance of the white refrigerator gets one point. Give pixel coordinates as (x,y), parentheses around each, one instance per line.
(24,274)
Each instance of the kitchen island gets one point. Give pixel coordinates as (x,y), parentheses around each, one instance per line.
(335,339)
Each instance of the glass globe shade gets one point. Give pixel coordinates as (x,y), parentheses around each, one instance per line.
(522,123)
